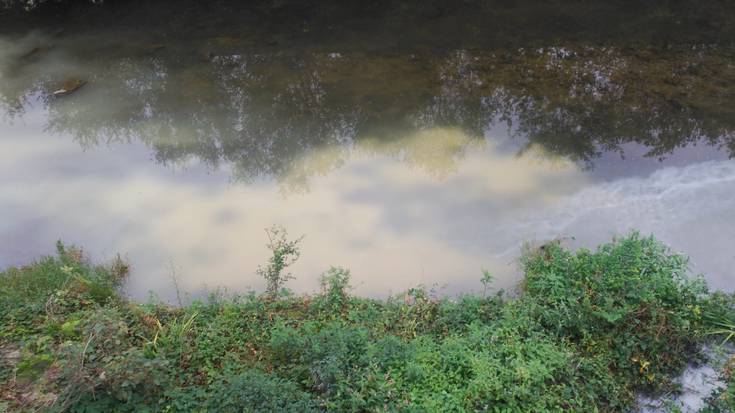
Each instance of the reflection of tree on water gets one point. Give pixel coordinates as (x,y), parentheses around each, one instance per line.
(602,99)
(266,111)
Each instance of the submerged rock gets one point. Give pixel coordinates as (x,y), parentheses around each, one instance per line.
(69,86)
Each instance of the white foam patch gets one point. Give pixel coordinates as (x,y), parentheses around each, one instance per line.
(690,208)
(697,383)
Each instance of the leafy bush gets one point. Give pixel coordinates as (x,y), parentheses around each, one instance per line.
(255,391)
(335,285)
(284,254)
(55,285)
(630,300)
(588,332)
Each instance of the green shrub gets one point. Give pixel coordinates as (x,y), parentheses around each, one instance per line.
(335,285)
(588,332)
(67,282)
(255,391)
(630,300)
(127,382)
(284,254)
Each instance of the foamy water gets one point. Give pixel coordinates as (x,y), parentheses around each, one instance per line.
(691,208)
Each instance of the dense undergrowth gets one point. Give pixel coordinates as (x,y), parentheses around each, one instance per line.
(587,331)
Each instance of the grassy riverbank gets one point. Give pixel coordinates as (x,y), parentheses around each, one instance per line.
(588,331)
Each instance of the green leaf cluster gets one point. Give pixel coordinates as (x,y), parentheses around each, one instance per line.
(587,331)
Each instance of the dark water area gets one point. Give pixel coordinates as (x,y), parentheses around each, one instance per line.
(412,142)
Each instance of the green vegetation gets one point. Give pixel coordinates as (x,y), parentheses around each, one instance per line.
(285,253)
(588,331)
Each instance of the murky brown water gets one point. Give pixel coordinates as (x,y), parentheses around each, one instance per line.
(412,148)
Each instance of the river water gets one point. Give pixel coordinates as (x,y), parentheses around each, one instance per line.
(411,148)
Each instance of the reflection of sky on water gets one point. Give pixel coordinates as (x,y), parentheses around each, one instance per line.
(406,168)
(385,214)
(390,222)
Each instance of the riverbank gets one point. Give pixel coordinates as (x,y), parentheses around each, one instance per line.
(586,331)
